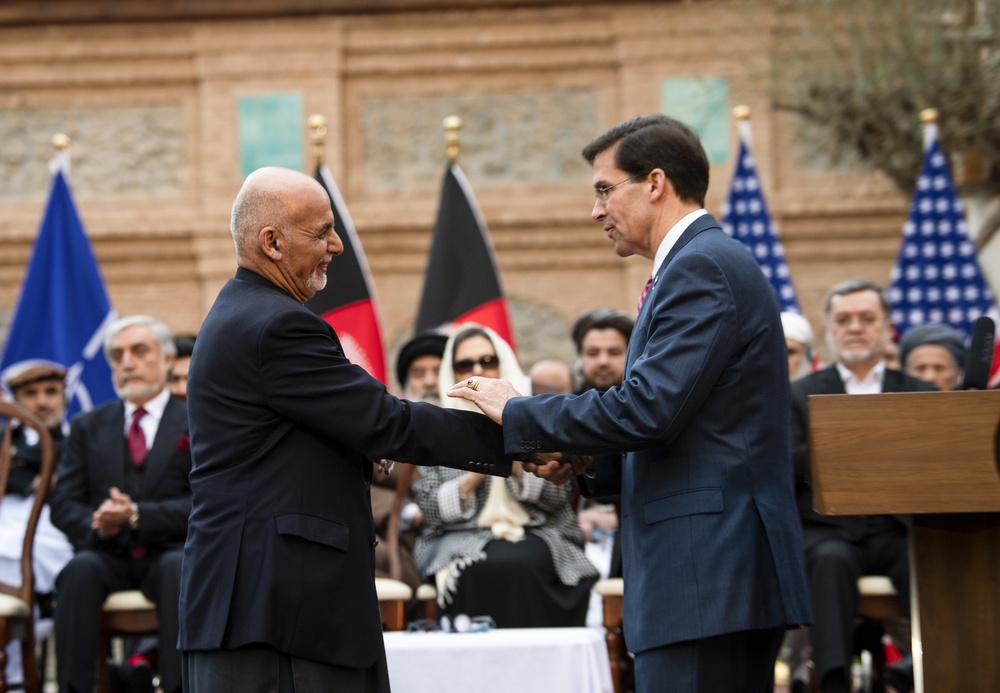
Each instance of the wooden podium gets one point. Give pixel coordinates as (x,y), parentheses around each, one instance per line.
(932,455)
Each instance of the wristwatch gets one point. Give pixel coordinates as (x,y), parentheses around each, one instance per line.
(133,520)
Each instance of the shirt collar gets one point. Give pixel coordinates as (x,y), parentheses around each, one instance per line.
(872,379)
(673,235)
(153,407)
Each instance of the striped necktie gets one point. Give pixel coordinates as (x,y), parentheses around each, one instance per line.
(645,290)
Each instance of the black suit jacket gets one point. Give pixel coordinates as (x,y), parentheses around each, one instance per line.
(828,382)
(280,543)
(95,459)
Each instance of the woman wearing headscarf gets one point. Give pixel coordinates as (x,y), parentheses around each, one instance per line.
(506,548)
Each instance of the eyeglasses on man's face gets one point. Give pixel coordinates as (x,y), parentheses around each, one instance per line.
(602,194)
(468,365)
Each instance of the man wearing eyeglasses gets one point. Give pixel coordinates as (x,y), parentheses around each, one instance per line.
(713,559)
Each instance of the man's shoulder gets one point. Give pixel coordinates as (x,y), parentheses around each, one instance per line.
(100,414)
(898,381)
(820,382)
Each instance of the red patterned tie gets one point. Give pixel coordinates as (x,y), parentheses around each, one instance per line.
(136,438)
(645,290)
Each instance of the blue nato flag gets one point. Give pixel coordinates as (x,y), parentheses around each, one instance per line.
(63,307)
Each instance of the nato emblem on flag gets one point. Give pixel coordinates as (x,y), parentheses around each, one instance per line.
(348,302)
(937,277)
(462,283)
(746,218)
(63,309)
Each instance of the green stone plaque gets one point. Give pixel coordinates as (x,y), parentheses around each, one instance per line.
(271,131)
(702,103)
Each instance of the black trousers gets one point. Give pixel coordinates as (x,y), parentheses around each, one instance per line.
(81,589)
(258,669)
(835,563)
(740,662)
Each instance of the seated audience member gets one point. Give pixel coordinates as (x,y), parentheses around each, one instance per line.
(41,390)
(840,549)
(417,368)
(601,337)
(934,353)
(799,340)
(796,650)
(551,377)
(178,376)
(506,548)
(123,499)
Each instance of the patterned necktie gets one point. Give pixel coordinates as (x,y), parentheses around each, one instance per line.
(136,438)
(645,290)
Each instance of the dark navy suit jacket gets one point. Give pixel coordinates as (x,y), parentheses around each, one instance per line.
(280,547)
(711,540)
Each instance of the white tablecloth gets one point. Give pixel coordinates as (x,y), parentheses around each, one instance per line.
(505,660)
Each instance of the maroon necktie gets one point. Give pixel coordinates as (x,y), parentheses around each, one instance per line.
(136,438)
(645,290)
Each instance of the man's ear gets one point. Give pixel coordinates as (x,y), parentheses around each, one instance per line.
(658,183)
(270,241)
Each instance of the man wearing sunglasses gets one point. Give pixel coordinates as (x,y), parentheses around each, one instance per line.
(712,548)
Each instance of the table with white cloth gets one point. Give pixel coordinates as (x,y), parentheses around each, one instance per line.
(525,660)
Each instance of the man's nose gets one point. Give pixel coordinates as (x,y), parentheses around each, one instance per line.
(597,213)
(334,245)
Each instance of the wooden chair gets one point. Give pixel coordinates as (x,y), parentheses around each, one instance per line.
(426,593)
(127,614)
(17,603)
(622,676)
(392,598)
(878,599)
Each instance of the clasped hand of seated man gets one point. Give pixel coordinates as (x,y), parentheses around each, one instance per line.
(492,396)
(114,513)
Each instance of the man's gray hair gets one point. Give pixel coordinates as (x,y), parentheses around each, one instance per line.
(157,329)
(853,286)
(254,208)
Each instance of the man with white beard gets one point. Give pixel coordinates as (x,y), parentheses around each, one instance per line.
(123,500)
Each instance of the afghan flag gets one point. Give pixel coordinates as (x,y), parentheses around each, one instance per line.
(462,282)
(348,301)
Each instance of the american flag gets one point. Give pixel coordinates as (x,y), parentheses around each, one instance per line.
(746,218)
(937,278)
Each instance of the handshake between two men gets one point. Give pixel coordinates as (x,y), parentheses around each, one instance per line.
(491,396)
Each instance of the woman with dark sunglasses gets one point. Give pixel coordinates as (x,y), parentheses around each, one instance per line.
(511,550)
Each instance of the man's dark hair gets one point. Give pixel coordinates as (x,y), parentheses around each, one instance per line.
(184,344)
(421,344)
(601,319)
(853,286)
(658,141)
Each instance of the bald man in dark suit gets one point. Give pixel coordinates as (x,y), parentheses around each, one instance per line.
(278,591)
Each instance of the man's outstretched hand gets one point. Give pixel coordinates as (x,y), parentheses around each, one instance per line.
(557,467)
(486,393)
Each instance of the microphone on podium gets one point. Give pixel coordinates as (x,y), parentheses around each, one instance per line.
(980,355)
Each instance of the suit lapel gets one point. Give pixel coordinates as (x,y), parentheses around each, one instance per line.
(832,384)
(640,332)
(109,439)
(164,445)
